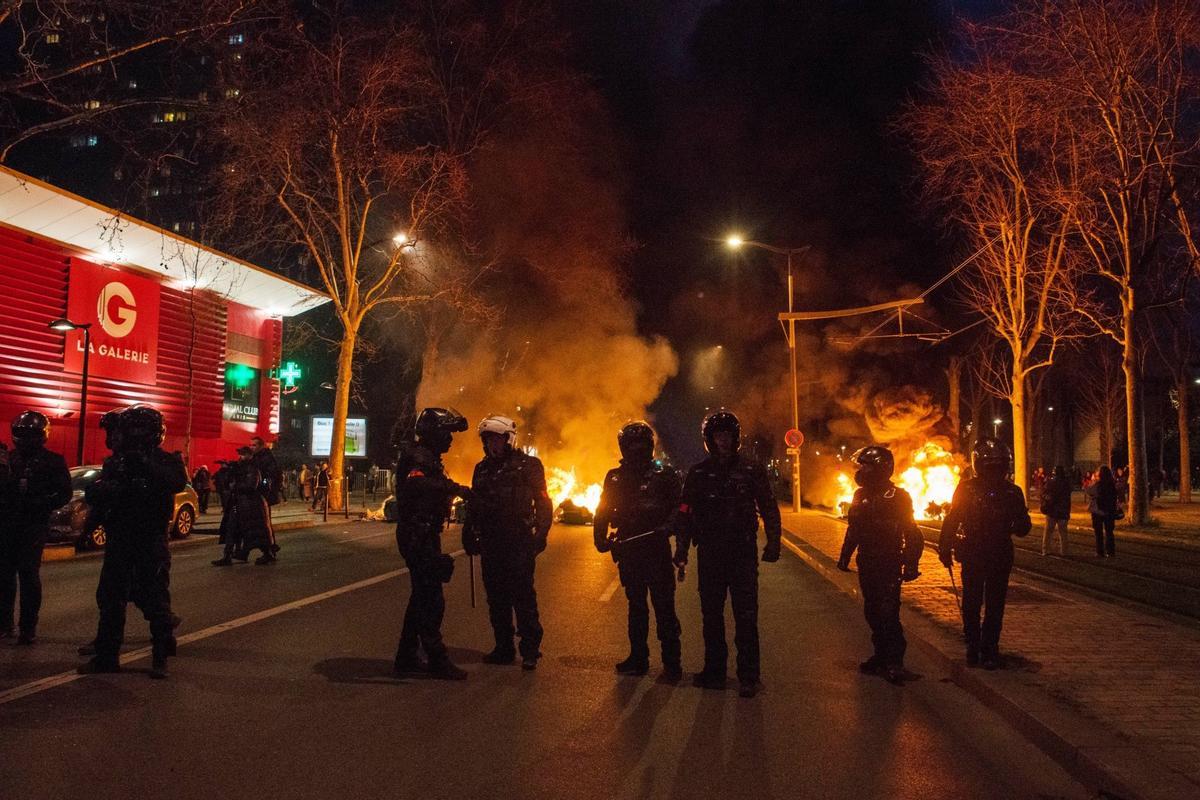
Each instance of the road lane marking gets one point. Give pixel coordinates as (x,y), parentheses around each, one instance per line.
(64,678)
(611,590)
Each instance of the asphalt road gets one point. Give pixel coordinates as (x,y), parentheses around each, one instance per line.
(283,688)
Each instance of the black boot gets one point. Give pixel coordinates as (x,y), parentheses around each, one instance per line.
(972,656)
(708,680)
(671,673)
(634,665)
(158,660)
(99,665)
(408,664)
(223,561)
(26,637)
(446,670)
(870,666)
(500,655)
(893,673)
(749,689)
(268,557)
(88,649)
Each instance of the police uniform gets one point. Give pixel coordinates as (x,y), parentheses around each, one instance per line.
(33,484)
(639,498)
(423,496)
(984,516)
(723,497)
(134,498)
(508,520)
(882,530)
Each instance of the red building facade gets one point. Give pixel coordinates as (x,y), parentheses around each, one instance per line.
(201,351)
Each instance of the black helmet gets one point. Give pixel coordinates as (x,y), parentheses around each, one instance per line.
(141,427)
(30,428)
(875,464)
(636,440)
(434,427)
(110,423)
(991,458)
(721,420)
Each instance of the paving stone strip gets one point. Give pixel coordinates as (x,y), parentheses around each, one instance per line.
(1112,693)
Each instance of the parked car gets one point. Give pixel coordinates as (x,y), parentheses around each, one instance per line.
(68,524)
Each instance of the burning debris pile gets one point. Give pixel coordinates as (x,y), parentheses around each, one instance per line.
(905,419)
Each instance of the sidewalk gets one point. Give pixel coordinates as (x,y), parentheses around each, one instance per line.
(1110,693)
(288,515)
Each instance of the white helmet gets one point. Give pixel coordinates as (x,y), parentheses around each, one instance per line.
(501,425)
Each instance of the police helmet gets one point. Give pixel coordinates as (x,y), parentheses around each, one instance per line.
(717,421)
(875,464)
(142,427)
(30,428)
(636,440)
(110,423)
(435,426)
(501,425)
(991,458)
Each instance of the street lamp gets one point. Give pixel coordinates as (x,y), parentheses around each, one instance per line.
(736,242)
(64,325)
(996,428)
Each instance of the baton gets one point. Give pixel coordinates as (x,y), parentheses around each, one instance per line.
(953,585)
(471,567)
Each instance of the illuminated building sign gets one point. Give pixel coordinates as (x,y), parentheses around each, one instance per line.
(122,309)
(241,393)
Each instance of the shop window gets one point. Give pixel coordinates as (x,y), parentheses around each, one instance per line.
(92,105)
(241,393)
(237,38)
(53,38)
(132,84)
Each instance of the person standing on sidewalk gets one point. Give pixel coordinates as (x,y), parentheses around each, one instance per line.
(1056,505)
(508,522)
(321,484)
(638,500)
(1104,498)
(33,482)
(202,483)
(882,529)
(423,495)
(986,512)
(723,497)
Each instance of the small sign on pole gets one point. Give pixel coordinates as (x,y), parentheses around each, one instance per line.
(793,438)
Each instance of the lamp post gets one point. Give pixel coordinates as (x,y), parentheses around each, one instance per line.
(996,427)
(736,242)
(64,325)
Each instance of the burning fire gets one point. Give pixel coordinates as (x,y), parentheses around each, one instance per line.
(931,477)
(564,485)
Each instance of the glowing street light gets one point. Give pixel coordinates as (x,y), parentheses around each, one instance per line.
(736,242)
(996,427)
(64,325)
(400,239)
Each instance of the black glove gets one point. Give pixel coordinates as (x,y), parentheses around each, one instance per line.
(603,545)
(470,541)
(947,559)
(910,574)
(539,543)
(771,552)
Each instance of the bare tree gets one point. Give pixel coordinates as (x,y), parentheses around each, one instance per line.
(1123,74)
(982,141)
(1100,392)
(352,156)
(67,52)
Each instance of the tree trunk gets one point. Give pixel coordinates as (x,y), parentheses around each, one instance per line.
(341,409)
(954,378)
(1135,434)
(1019,438)
(1185,441)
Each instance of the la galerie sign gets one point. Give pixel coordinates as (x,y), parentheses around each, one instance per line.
(123,311)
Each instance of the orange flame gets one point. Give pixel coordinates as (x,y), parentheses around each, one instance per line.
(564,485)
(930,478)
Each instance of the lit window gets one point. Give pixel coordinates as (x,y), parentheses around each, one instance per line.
(232,92)
(237,38)
(52,38)
(168,116)
(90,140)
(92,104)
(132,84)
(175,226)
(93,140)
(155,191)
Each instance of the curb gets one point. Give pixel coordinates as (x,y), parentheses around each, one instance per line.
(1055,731)
(68,552)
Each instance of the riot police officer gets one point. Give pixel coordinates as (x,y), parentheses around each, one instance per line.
(134,498)
(33,482)
(987,511)
(638,500)
(508,521)
(882,530)
(423,496)
(723,497)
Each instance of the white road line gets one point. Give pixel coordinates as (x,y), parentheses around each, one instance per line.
(64,678)
(611,590)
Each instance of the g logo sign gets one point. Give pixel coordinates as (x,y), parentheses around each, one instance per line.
(126,310)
